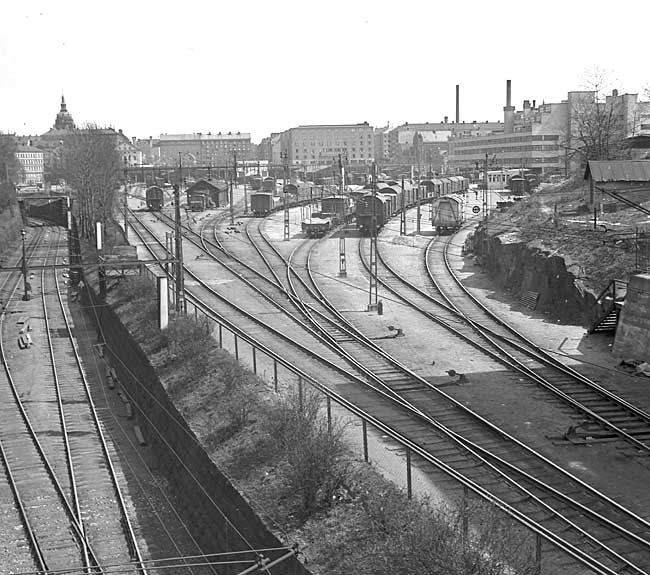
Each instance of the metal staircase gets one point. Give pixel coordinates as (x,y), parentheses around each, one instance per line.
(611,301)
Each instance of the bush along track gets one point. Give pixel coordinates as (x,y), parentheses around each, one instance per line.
(299,472)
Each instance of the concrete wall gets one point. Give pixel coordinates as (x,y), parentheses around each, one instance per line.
(170,437)
(632,340)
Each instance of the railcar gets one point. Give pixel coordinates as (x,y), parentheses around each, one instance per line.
(155,198)
(255,183)
(373,211)
(262,203)
(339,208)
(447,213)
(316,227)
(268,185)
(198,200)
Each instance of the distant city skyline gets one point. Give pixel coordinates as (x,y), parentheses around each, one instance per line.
(150,67)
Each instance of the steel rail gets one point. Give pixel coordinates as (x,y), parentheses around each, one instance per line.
(230,303)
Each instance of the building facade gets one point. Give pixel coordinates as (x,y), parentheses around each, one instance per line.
(203,149)
(547,138)
(320,145)
(31,160)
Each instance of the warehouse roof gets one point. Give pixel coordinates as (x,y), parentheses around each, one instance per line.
(618,170)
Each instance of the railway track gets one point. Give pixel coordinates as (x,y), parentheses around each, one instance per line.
(471,449)
(53,448)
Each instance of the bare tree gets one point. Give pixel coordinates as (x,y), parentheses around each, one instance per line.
(597,123)
(92,167)
(9,170)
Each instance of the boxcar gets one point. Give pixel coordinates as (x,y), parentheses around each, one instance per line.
(447,213)
(268,184)
(155,198)
(339,208)
(256,183)
(371,207)
(198,201)
(262,203)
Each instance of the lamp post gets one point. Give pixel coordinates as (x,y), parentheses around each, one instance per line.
(26,285)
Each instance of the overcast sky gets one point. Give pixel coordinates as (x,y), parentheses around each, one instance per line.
(152,67)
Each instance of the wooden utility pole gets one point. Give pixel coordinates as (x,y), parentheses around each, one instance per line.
(285,162)
(402,216)
(372,288)
(180,279)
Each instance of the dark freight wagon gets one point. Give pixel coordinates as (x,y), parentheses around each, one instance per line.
(447,213)
(262,203)
(316,227)
(155,198)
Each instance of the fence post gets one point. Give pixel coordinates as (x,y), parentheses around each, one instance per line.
(220,336)
(236,347)
(300,391)
(254,359)
(364,427)
(409,485)
(465,517)
(275,375)
(329,414)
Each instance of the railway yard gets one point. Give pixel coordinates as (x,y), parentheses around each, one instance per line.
(453,388)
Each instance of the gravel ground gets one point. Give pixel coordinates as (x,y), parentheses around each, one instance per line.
(527,412)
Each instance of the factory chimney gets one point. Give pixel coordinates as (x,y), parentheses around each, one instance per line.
(508,111)
(457,104)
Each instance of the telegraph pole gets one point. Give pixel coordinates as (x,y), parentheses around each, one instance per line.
(26,285)
(402,217)
(285,161)
(485,189)
(232,207)
(180,279)
(126,201)
(372,288)
(342,261)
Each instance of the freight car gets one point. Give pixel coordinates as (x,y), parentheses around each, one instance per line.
(155,198)
(316,227)
(339,208)
(268,185)
(373,211)
(262,203)
(198,201)
(447,213)
(256,183)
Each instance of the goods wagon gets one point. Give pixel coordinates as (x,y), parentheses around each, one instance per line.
(198,201)
(155,198)
(268,184)
(262,203)
(339,208)
(373,208)
(447,213)
(316,227)
(255,183)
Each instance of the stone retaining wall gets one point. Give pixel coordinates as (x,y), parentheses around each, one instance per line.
(521,267)
(181,457)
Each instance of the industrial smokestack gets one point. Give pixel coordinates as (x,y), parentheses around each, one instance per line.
(508,112)
(457,104)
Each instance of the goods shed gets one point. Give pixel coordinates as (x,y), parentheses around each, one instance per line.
(617,182)
(216,190)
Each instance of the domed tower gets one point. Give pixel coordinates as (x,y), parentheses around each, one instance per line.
(63,120)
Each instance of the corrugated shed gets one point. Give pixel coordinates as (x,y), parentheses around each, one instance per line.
(618,170)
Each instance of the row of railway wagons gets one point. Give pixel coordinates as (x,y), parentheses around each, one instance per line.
(373,210)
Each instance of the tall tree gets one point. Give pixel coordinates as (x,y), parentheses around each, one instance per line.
(91,165)
(9,170)
(597,121)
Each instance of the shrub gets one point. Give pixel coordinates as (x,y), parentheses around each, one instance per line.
(315,455)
